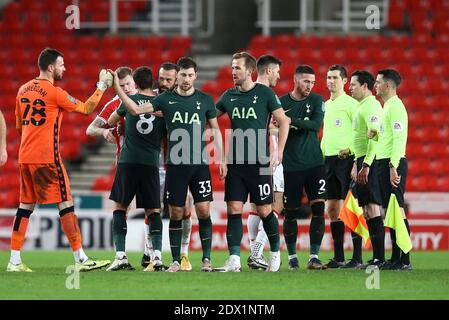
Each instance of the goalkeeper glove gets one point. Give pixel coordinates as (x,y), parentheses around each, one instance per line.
(105,80)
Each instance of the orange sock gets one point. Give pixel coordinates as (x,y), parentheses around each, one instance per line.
(69,222)
(19,228)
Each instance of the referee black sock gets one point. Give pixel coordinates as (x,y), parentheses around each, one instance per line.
(379,237)
(175,235)
(395,251)
(369,223)
(234,233)
(357,246)
(405,257)
(338,234)
(271,227)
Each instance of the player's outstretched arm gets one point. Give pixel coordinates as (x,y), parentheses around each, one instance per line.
(114,119)
(105,81)
(219,113)
(284,126)
(95,129)
(129,104)
(3,152)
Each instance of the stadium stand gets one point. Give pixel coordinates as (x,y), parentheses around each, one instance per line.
(84,54)
(422,57)
(419,50)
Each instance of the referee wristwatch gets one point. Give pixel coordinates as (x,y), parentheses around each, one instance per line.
(365,165)
(391,165)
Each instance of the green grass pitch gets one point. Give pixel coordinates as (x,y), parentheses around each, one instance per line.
(428,280)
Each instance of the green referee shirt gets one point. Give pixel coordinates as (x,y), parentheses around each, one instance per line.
(337,130)
(368,116)
(393,138)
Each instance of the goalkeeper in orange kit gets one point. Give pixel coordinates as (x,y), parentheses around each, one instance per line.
(43,178)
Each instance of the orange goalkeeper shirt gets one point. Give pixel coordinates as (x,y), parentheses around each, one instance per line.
(39,110)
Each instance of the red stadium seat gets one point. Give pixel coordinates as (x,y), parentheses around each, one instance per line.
(89,42)
(418,166)
(284,41)
(70,149)
(396,17)
(181,42)
(261,42)
(284,54)
(257,52)
(443,183)
(9,198)
(415,150)
(157,42)
(439,166)
(103,183)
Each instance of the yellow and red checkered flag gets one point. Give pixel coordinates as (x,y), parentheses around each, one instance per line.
(352,215)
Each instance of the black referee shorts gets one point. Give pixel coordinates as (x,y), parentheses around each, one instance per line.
(142,181)
(386,189)
(368,193)
(338,176)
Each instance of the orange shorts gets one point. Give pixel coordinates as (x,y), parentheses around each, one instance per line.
(44,183)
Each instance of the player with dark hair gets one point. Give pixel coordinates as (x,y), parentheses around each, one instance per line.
(268,74)
(250,106)
(137,170)
(99,127)
(366,124)
(43,178)
(393,166)
(186,111)
(167,82)
(338,152)
(304,165)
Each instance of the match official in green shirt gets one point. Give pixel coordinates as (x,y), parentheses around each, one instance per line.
(393,167)
(366,125)
(338,152)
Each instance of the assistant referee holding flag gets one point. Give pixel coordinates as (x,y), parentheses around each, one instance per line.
(393,166)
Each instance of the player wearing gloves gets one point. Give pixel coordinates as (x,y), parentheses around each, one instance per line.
(43,178)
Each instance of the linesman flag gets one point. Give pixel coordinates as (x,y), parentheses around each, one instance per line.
(352,215)
(394,220)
